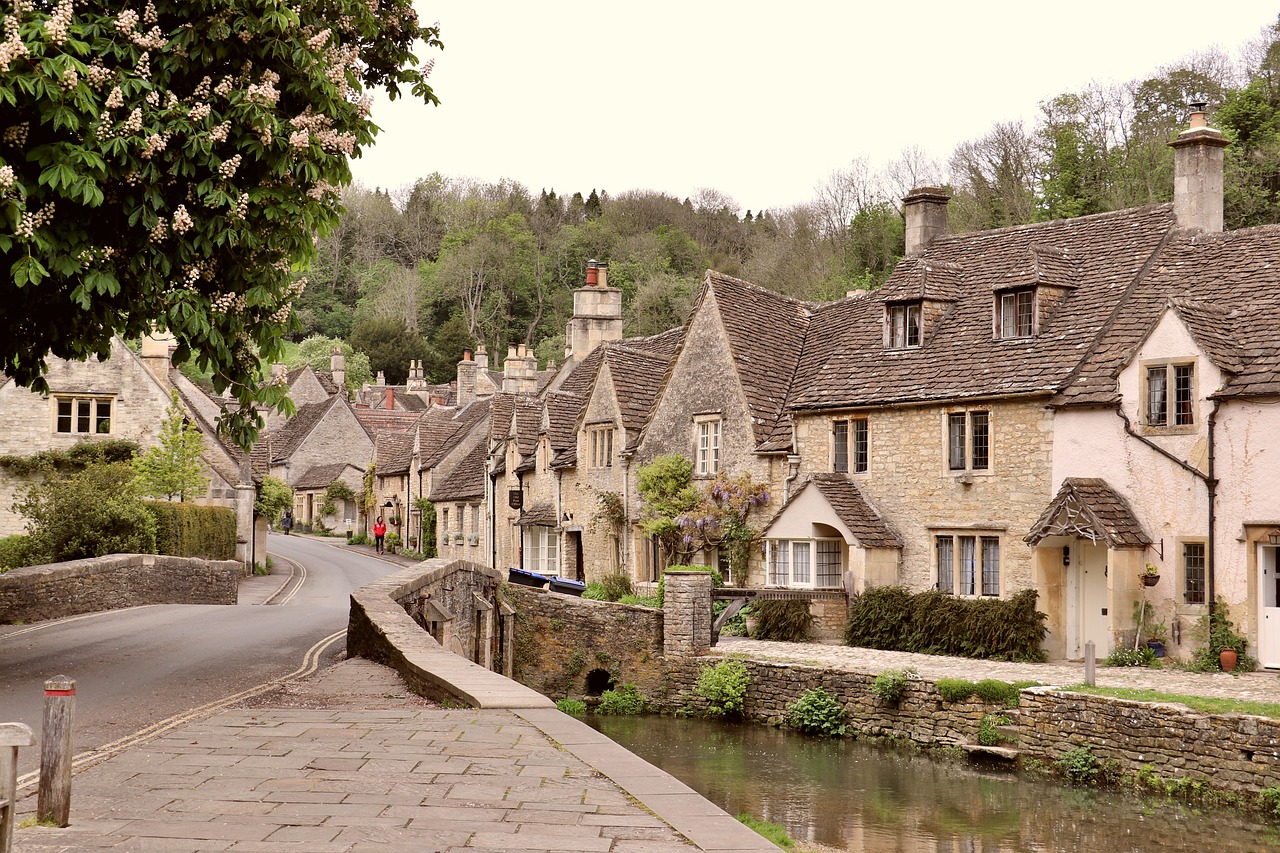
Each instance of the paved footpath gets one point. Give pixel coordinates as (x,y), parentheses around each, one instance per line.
(1263,686)
(352,761)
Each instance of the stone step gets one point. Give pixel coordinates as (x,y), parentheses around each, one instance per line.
(1006,753)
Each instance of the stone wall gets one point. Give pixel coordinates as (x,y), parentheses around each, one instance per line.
(36,593)
(560,640)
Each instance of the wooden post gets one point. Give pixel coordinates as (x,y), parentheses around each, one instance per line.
(1090,663)
(54,803)
(12,736)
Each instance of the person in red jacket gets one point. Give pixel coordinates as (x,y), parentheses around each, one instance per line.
(379,533)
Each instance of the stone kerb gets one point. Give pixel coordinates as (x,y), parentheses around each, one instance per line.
(37,593)
(686,613)
(381,630)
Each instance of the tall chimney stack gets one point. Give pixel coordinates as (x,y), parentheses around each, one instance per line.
(466,379)
(338,367)
(925,209)
(1197,173)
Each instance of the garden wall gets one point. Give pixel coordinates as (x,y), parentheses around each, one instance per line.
(36,593)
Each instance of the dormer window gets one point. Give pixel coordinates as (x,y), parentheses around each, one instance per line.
(1170,395)
(904,325)
(1016,313)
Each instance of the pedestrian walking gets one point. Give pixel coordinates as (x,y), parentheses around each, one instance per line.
(379,534)
(287,521)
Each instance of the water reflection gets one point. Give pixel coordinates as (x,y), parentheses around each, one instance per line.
(856,797)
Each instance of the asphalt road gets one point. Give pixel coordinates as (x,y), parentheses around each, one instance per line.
(157,665)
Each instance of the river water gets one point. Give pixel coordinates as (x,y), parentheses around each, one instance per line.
(851,795)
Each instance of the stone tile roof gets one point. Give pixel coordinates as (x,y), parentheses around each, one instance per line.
(466,480)
(411,402)
(921,278)
(562,419)
(637,376)
(540,515)
(327,382)
(444,429)
(504,405)
(394,452)
(1226,289)
(322,476)
(852,508)
(766,333)
(580,379)
(1088,507)
(528,425)
(376,421)
(286,440)
(846,364)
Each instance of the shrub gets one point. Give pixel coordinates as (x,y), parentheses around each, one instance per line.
(188,530)
(595,591)
(891,685)
(788,621)
(621,701)
(1269,802)
(1217,635)
(934,622)
(572,707)
(88,513)
(1141,656)
(15,552)
(955,689)
(724,686)
(361,539)
(817,712)
(274,497)
(392,541)
(615,586)
(988,730)
(996,691)
(1079,765)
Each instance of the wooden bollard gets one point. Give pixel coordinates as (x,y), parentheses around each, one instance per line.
(12,736)
(54,803)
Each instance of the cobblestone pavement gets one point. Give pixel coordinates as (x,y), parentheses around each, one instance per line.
(351,761)
(1263,686)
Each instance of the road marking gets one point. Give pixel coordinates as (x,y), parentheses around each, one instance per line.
(83,761)
(53,623)
(297,577)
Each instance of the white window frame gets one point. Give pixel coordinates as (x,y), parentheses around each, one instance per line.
(707,436)
(1012,321)
(83,410)
(787,558)
(976,563)
(974,453)
(600,443)
(542,549)
(901,321)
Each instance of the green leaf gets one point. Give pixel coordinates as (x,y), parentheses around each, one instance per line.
(28,271)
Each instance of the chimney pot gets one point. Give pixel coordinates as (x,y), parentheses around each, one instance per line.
(466,355)
(391,399)
(591,273)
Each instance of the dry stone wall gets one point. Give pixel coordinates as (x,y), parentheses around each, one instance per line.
(35,593)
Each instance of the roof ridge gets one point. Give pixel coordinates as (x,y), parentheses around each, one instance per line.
(1030,226)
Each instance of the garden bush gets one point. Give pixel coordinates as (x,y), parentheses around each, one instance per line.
(933,622)
(572,707)
(621,701)
(891,685)
(88,513)
(1141,656)
(818,712)
(724,686)
(188,530)
(15,552)
(788,621)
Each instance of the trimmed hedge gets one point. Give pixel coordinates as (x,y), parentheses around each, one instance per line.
(933,622)
(188,530)
(788,621)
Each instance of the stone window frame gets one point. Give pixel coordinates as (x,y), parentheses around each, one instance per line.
(444,527)
(1173,419)
(1192,548)
(94,416)
(856,445)
(1008,314)
(788,546)
(707,452)
(985,577)
(898,327)
(970,441)
(600,443)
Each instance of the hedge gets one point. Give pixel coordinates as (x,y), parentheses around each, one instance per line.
(933,622)
(188,530)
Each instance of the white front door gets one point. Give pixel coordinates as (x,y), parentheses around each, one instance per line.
(1095,622)
(1268,606)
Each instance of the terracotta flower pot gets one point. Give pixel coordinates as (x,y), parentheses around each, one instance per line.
(1227,659)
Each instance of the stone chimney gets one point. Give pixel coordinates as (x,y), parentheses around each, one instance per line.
(925,209)
(156,354)
(482,358)
(1197,174)
(338,367)
(597,315)
(520,371)
(466,379)
(380,379)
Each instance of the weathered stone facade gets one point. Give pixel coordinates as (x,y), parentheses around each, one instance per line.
(35,593)
(909,483)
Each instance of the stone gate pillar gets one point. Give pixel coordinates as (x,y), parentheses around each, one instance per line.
(686,613)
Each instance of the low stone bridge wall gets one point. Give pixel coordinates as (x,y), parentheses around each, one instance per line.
(35,593)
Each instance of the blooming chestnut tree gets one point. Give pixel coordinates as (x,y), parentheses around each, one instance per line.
(169,164)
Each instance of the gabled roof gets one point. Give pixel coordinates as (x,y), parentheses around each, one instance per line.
(444,428)
(562,419)
(375,421)
(283,442)
(1226,289)
(845,362)
(1088,508)
(637,376)
(466,480)
(540,515)
(394,452)
(921,278)
(851,507)
(323,476)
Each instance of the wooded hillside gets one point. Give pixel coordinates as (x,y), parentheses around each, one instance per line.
(423,271)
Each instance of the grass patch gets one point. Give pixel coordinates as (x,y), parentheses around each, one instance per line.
(1206,704)
(775,833)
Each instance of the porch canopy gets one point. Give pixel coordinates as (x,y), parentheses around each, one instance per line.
(1088,508)
(833,501)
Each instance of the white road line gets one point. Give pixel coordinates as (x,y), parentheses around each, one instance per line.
(53,623)
(310,663)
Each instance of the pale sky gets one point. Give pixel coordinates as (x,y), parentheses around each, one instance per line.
(761,101)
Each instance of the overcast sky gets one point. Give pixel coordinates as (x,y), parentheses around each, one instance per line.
(761,101)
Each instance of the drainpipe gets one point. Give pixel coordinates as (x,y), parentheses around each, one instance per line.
(493,519)
(793,464)
(626,511)
(520,535)
(422,542)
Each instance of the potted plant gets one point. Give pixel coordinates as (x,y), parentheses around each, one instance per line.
(1150,575)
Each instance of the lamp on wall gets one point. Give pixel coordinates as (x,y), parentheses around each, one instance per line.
(1274,537)
(1066,555)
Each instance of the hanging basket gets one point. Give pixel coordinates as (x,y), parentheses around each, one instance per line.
(1150,580)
